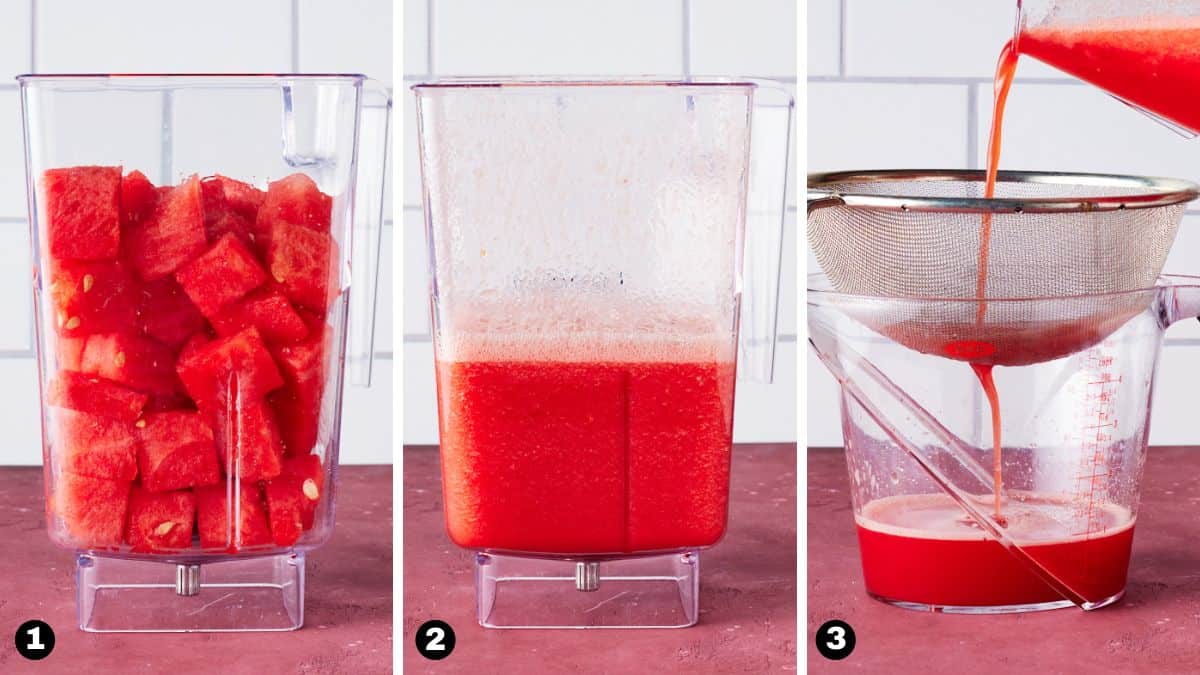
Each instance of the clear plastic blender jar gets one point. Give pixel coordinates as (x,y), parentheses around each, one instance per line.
(594,249)
(193,239)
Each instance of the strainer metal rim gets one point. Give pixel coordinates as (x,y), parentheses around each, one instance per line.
(1159,191)
(814,287)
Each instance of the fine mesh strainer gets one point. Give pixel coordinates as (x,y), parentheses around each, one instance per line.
(1064,251)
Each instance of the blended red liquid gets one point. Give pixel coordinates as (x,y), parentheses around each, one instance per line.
(1153,63)
(924,549)
(562,457)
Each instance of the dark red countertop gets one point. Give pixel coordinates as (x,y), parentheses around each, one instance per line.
(747,589)
(1154,628)
(348,604)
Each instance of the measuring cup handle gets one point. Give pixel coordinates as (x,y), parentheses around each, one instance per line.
(1178,298)
(375,108)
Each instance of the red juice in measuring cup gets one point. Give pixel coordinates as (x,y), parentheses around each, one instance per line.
(924,549)
(549,455)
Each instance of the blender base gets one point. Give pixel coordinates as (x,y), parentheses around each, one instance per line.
(657,591)
(120,595)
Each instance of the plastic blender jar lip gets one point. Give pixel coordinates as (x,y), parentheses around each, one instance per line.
(201,75)
(480,82)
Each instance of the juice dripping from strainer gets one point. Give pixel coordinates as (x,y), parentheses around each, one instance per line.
(1005,70)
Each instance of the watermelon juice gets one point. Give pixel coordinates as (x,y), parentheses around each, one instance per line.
(1153,63)
(925,549)
(549,455)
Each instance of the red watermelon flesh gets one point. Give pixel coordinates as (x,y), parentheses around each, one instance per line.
(92,509)
(160,521)
(304,263)
(269,311)
(68,352)
(136,362)
(247,438)
(224,273)
(226,195)
(295,200)
(209,370)
(307,471)
(94,446)
(298,404)
(138,198)
(92,297)
(82,212)
(231,223)
(171,236)
(220,527)
(94,395)
(193,344)
(177,451)
(166,314)
(287,507)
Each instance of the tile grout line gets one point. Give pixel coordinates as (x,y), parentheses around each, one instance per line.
(295,55)
(934,79)
(687,38)
(841,39)
(33,36)
(429,37)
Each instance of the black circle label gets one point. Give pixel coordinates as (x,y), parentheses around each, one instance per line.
(435,639)
(835,639)
(35,639)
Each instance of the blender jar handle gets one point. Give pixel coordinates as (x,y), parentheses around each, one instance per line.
(375,106)
(766,205)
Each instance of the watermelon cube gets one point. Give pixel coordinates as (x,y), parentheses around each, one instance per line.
(81,210)
(224,273)
(298,404)
(92,509)
(134,361)
(248,439)
(221,526)
(94,395)
(209,371)
(138,198)
(92,297)
(160,521)
(226,195)
(166,314)
(269,311)
(309,479)
(295,200)
(171,236)
(193,345)
(176,451)
(304,263)
(287,506)
(89,445)
(68,352)
(231,223)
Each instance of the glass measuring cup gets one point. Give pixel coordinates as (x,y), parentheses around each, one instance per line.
(604,256)
(1074,373)
(193,239)
(1144,52)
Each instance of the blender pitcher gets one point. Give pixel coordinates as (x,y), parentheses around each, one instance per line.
(1144,52)
(586,245)
(1026,501)
(198,241)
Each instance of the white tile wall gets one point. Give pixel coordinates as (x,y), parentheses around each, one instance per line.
(148,36)
(764,32)
(915,90)
(549,37)
(755,38)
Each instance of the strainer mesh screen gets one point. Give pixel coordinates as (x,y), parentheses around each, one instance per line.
(924,254)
